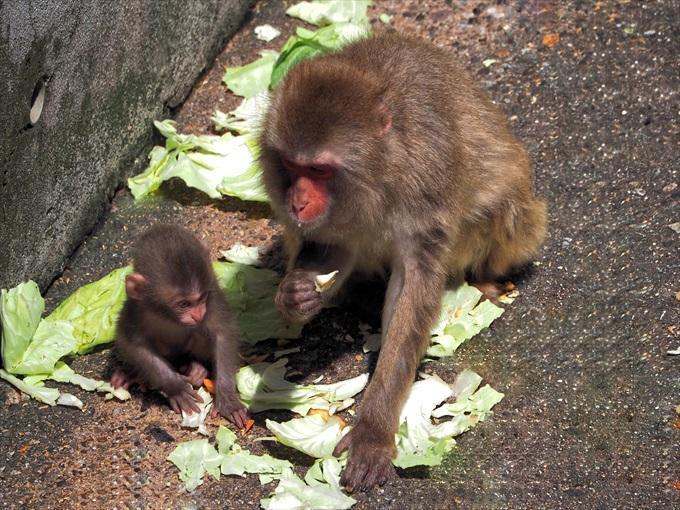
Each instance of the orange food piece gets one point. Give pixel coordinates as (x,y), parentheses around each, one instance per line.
(24,449)
(551,40)
(249,426)
(338,419)
(321,412)
(209,385)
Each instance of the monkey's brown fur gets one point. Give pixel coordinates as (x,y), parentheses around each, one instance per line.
(171,266)
(431,185)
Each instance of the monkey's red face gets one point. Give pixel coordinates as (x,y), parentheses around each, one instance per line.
(308,197)
(190,309)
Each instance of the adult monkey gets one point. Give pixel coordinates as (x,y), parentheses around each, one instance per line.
(387,155)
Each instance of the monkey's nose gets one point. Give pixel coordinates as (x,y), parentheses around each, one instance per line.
(299,206)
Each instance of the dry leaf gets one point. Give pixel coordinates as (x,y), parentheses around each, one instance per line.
(502,53)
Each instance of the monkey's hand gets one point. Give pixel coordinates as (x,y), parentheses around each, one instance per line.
(297,297)
(195,372)
(231,408)
(184,398)
(370,458)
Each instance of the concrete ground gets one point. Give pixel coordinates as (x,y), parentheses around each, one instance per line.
(589,418)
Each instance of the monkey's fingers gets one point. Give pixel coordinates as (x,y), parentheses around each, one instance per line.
(240,418)
(188,405)
(365,469)
(174,405)
(120,379)
(342,445)
(298,281)
(191,392)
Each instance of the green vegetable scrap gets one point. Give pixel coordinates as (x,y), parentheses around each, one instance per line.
(327,12)
(250,292)
(197,420)
(194,459)
(65,374)
(216,165)
(266,33)
(307,44)
(251,79)
(246,118)
(92,310)
(385,18)
(461,318)
(262,386)
(33,388)
(419,442)
(319,490)
(312,435)
(237,461)
(31,345)
(242,254)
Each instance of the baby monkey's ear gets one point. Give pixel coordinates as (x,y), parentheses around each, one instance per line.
(135,285)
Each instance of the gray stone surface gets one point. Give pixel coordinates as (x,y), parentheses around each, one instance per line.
(108,69)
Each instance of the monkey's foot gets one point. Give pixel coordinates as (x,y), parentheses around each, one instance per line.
(370,460)
(195,373)
(122,378)
(297,297)
(231,409)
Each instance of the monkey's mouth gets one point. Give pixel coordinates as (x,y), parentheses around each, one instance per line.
(307,225)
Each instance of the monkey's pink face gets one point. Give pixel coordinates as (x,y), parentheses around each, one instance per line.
(190,308)
(308,197)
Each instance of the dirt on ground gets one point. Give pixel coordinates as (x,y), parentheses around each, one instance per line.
(589,416)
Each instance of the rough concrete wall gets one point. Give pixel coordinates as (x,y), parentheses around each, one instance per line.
(108,69)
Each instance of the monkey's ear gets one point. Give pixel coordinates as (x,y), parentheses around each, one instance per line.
(135,284)
(385,118)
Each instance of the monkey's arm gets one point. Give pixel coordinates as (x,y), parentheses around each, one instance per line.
(297,297)
(412,303)
(158,373)
(224,353)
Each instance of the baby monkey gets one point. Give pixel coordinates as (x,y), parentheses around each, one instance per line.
(176,324)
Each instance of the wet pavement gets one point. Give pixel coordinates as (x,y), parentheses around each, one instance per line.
(589,417)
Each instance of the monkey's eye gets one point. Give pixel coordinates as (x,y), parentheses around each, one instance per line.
(320,172)
(203,297)
(184,304)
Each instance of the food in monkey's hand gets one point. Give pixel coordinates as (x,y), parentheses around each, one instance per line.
(323,282)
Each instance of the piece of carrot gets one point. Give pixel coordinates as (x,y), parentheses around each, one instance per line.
(249,426)
(209,385)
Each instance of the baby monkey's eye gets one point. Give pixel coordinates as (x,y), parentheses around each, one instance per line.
(184,304)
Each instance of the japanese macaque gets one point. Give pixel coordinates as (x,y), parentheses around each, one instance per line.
(175,316)
(387,156)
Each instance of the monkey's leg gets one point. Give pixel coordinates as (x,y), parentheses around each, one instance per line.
(297,297)
(220,349)
(124,378)
(160,374)
(412,303)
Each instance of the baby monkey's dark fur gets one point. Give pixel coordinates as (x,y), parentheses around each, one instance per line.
(177,316)
(429,184)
